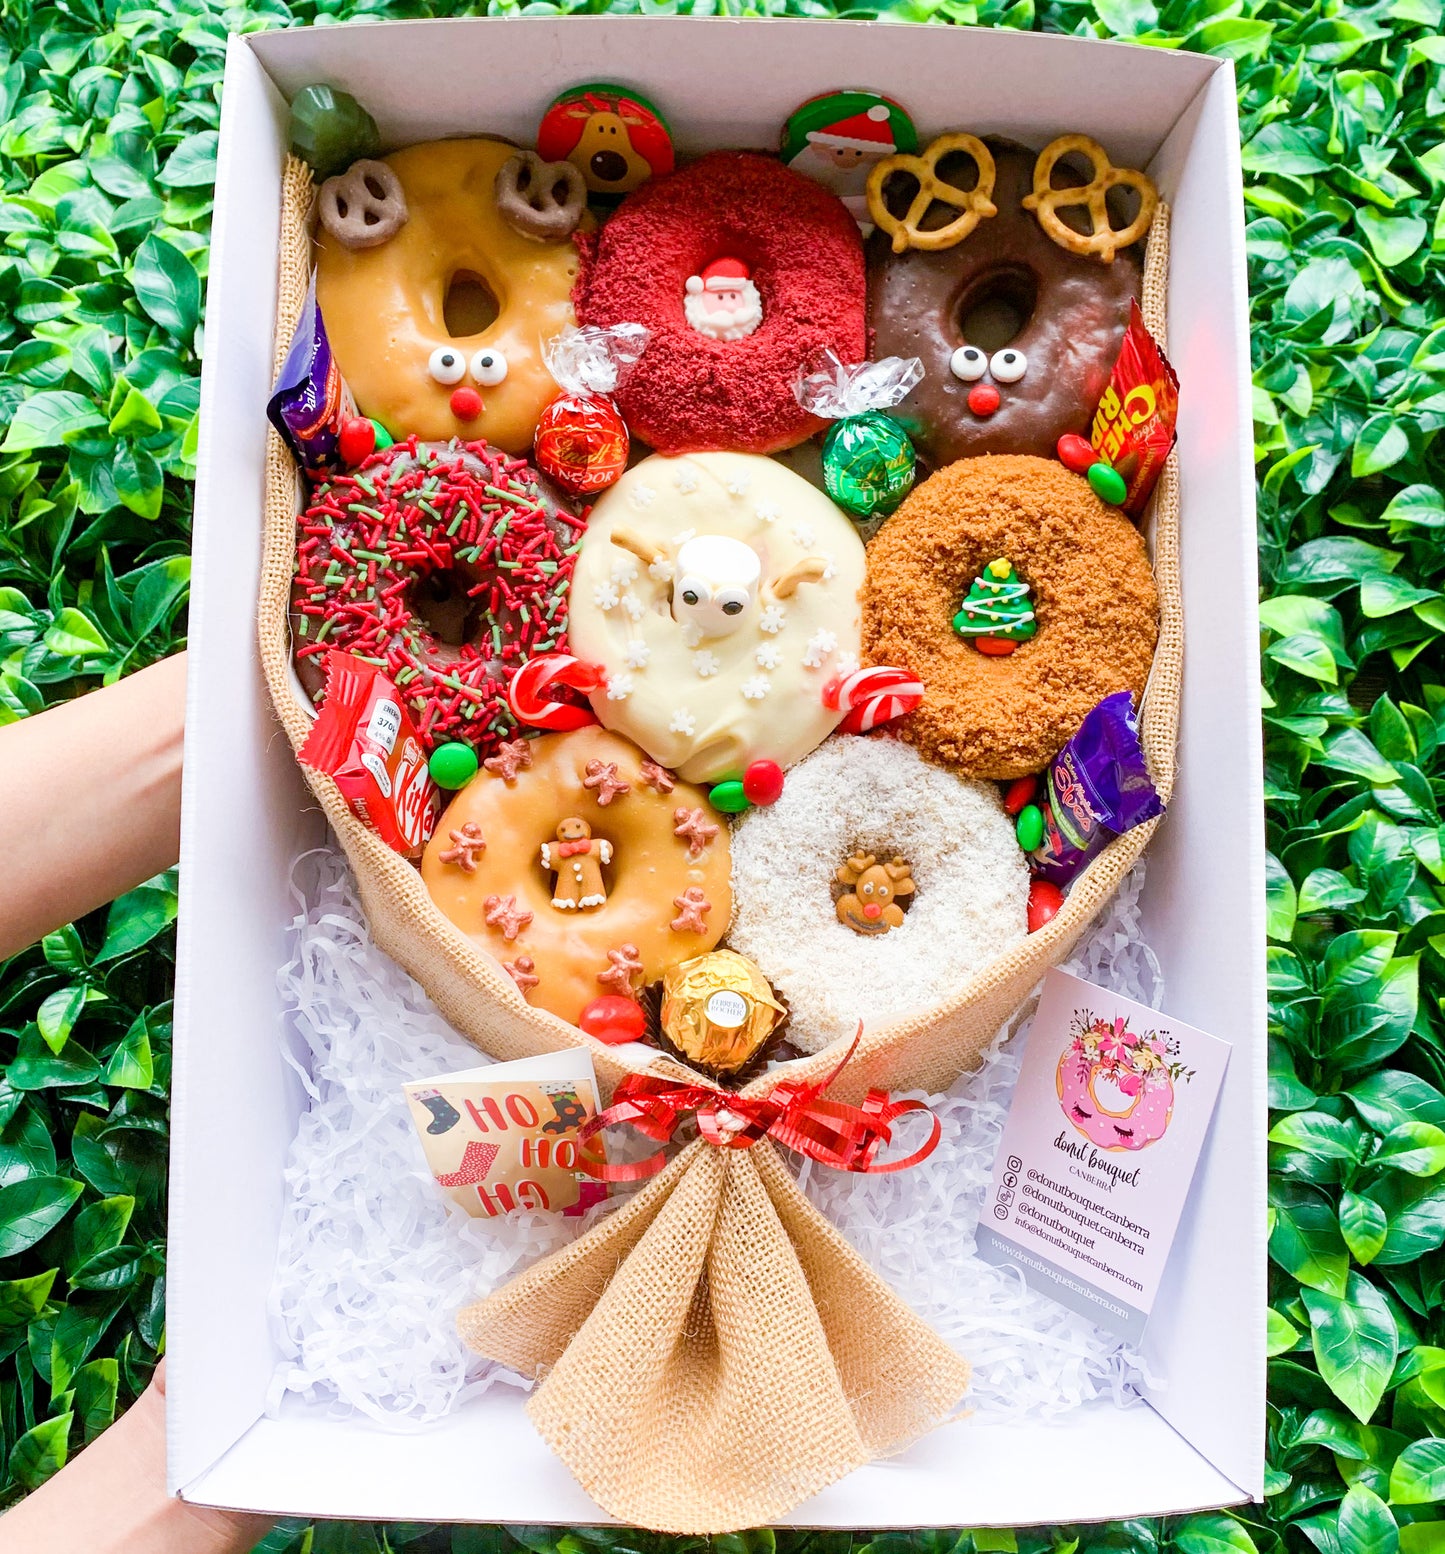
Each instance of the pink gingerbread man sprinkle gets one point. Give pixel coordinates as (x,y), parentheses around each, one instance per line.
(470,844)
(658,777)
(602,778)
(504,913)
(522,971)
(693,908)
(626,963)
(512,755)
(695,829)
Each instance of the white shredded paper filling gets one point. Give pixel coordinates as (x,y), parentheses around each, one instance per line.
(373,1266)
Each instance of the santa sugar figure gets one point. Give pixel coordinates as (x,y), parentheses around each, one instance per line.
(837,139)
(722,302)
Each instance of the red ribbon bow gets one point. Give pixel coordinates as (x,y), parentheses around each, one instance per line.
(847,1138)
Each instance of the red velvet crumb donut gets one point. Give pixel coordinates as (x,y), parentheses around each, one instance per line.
(802,252)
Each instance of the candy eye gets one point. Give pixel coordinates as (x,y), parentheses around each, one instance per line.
(1008,366)
(694,592)
(868,888)
(733,601)
(882,892)
(446,365)
(489,367)
(968,363)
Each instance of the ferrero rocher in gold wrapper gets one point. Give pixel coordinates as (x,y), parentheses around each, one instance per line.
(719,1012)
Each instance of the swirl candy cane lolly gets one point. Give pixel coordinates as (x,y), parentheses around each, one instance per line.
(868,698)
(527,693)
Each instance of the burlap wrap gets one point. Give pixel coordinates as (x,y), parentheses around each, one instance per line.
(714,1352)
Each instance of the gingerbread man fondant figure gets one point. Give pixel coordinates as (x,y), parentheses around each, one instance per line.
(577,857)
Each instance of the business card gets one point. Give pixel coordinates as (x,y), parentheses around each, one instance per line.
(1111,1110)
(502,1139)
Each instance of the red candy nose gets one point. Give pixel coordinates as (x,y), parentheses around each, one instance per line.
(983,399)
(872,909)
(467,404)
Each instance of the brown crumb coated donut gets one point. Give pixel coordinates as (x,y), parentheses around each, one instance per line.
(1093,596)
(581,866)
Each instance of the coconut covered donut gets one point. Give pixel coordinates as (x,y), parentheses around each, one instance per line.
(583,867)
(407,317)
(1084,620)
(719,593)
(877,884)
(448,564)
(740,269)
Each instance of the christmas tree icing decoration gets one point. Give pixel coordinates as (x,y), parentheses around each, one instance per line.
(998,613)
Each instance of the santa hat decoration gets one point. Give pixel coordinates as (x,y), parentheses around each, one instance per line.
(720,275)
(854,120)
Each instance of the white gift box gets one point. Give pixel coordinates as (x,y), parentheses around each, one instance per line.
(1198,1441)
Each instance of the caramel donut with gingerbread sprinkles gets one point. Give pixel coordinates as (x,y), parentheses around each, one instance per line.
(583,866)
(447,564)
(1007,543)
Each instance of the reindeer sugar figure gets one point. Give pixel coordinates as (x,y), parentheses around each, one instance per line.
(576,857)
(869,904)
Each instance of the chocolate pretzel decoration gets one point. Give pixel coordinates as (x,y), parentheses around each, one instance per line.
(364,206)
(973,204)
(1103,240)
(541,200)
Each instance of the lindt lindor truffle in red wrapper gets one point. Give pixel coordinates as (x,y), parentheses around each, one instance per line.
(1134,425)
(364,739)
(1096,787)
(311,402)
(581,440)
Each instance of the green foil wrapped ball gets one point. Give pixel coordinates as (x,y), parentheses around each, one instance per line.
(330,130)
(868,464)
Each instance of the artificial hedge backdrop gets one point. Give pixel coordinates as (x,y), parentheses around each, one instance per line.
(108,117)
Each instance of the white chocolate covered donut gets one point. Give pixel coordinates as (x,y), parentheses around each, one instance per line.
(719,592)
(947,837)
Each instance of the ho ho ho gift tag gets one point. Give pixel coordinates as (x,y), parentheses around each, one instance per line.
(1109,1116)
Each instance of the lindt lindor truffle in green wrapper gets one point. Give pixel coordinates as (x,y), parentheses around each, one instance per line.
(868,460)
(719,1012)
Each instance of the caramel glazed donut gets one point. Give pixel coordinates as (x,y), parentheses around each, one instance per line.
(1006,309)
(386,304)
(1093,598)
(582,866)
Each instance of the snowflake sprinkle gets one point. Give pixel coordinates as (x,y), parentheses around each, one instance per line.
(768,656)
(619,687)
(772,619)
(803,534)
(682,722)
(686,481)
(605,596)
(633,606)
(660,571)
(643,496)
(624,571)
(766,512)
(738,485)
(705,663)
(756,688)
(638,653)
(820,645)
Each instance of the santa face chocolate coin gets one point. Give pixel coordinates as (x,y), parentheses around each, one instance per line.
(837,138)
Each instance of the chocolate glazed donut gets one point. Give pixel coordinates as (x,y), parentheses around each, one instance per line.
(1016,292)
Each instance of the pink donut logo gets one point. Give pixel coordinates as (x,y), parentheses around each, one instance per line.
(1117,1088)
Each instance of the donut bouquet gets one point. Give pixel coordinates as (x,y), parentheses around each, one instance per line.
(715,609)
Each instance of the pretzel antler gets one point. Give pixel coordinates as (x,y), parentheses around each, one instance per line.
(974,204)
(1103,240)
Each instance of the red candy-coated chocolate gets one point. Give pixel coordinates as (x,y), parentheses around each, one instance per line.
(1044,903)
(613,1019)
(364,739)
(581,443)
(984,399)
(466,403)
(356,441)
(763,782)
(1077,453)
(1019,793)
(995,647)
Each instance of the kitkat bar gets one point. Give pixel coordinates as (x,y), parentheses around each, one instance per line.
(364,739)
(1134,425)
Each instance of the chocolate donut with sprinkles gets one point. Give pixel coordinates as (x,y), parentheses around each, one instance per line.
(448,565)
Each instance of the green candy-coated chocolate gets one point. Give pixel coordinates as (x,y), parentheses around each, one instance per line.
(868,464)
(729,797)
(453,765)
(384,439)
(329,130)
(1029,827)
(1108,483)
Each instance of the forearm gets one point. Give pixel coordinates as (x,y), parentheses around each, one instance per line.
(112,1500)
(90,801)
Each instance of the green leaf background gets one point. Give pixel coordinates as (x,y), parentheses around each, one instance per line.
(108,121)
